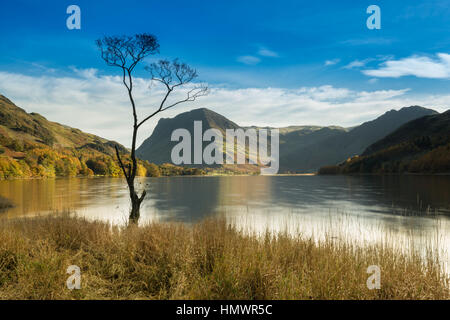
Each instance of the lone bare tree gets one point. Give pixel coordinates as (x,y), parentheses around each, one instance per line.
(125,52)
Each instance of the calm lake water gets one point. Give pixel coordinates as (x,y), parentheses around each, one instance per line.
(408,211)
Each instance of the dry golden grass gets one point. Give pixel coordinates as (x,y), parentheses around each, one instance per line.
(209,260)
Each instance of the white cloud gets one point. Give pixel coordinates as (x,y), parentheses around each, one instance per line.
(325,105)
(267,53)
(250,60)
(99,104)
(357,64)
(380,95)
(332,62)
(324,93)
(89,73)
(418,66)
(368,41)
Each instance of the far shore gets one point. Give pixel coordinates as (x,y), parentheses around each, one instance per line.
(198,175)
(246,175)
(386,174)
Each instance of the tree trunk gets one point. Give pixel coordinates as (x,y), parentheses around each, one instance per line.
(136,202)
(135,208)
(132,168)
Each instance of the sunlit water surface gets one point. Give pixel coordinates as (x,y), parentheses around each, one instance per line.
(404,211)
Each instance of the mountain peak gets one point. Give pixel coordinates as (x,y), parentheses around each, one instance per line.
(157,147)
(403,115)
(415,109)
(198,112)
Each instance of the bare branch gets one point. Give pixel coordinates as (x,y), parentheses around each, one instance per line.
(141,198)
(127,51)
(192,95)
(121,163)
(172,75)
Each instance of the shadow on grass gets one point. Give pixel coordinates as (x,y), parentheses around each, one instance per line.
(5,204)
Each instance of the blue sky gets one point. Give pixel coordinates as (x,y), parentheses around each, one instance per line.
(240,47)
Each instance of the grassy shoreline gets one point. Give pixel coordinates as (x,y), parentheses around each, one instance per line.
(207,260)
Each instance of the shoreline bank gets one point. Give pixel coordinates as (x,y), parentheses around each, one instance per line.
(207,260)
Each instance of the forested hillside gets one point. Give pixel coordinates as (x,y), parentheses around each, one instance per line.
(31,146)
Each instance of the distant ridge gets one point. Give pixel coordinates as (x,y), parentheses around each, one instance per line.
(419,146)
(432,126)
(335,146)
(302,148)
